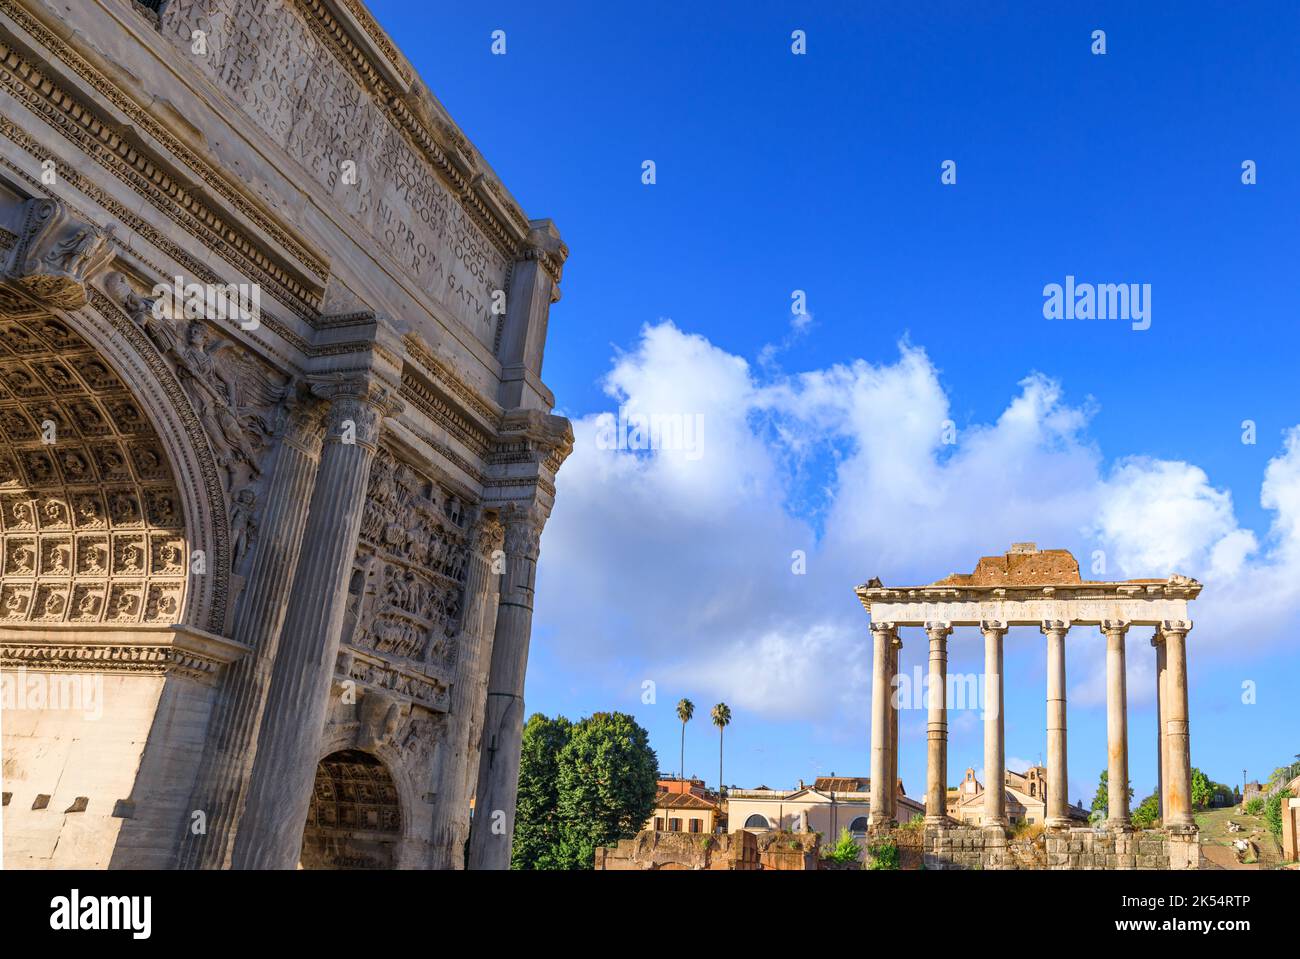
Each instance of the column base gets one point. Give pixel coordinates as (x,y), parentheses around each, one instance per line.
(1182,828)
(943,821)
(1057,822)
(1119,825)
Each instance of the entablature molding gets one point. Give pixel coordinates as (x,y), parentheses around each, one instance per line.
(1081,611)
(207,205)
(110,648)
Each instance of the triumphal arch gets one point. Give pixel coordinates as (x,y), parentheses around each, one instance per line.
(1043,589)
(275,450)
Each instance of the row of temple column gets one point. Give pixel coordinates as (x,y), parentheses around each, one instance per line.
(1174,761)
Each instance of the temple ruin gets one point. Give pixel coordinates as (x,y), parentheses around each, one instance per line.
(1043,588)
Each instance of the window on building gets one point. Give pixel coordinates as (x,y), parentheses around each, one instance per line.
(674,825)
(858,825)
(659,823)
(696,825)
(756,822)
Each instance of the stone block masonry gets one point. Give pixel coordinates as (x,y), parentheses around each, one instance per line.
(974,847)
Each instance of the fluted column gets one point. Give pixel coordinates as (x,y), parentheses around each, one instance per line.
(1158,641)
(284,771)
(232,732)
(936,772)
(459,772)
(1058,783)
(1117,813)
(1178,767)
(498,776)
(882,638)
(995,760)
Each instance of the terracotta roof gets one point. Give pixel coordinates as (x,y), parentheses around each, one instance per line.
(842,784)
(667,800)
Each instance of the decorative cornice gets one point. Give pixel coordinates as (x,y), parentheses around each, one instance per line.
(136,649)
(489,413)
(379,39)
(1176,587)
(87,116)
(445,414)
(197,269)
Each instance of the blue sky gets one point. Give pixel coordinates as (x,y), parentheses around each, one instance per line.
(821,173)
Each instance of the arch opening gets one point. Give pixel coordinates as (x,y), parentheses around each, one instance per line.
(355,817)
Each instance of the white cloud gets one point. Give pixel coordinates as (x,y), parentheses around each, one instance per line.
(678,567)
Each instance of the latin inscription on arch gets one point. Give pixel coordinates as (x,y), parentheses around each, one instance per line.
(271,63)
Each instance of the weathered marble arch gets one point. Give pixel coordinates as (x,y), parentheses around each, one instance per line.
(321,497)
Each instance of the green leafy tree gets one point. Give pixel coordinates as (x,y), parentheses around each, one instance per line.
(1148,812)
(845,850)
(721,718)
(1101,801)
(537,826)
(1202,789)
(1273,812)
(607,778)
(685,712)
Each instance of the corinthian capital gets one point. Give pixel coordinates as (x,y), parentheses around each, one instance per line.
(57,253)
(487,535)
(523,531)
(358,406)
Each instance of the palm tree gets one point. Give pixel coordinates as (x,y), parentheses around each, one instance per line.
(685,711)
(721,717)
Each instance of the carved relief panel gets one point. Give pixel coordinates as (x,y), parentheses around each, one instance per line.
(406,591)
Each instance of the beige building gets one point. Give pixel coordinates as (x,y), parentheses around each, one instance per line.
(1026,798)
(683,812)
(830,804)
